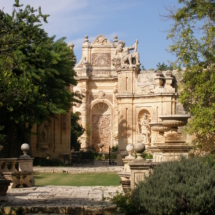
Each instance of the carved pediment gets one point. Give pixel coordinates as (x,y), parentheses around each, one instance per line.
(101,40)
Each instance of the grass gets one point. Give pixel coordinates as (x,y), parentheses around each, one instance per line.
(84,179)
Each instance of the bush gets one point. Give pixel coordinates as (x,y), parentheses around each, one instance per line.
(47,162)
(113,156)
(124,202)
(178,187)
(147,156)
(114,148)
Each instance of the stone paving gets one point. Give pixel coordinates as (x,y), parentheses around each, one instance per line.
(61,200)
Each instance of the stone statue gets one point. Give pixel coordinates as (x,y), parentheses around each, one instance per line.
(127,58)
(144,124)
(44,133)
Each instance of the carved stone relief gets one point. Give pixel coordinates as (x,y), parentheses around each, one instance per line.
(101,40)
(109,97)
(101,59)
(101,126)
(146,82)
(44,131)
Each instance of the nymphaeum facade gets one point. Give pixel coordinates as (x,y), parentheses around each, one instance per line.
(119,102)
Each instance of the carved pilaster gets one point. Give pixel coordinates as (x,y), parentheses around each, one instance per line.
(116,122)
(84,91)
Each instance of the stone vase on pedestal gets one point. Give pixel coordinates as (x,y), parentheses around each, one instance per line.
(160,128)
(173,122)
(139,149)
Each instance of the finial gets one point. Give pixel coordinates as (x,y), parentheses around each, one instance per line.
(86,39)
(71,45)
(115,39)
(25,148)
(169,73)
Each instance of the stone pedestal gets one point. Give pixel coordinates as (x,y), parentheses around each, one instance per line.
(26,164)
(126,162)
(139,170)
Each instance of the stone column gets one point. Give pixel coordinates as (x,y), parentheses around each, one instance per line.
(116,122)
(84,118)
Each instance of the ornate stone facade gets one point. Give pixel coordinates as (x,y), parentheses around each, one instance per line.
(134,98)
(120,102)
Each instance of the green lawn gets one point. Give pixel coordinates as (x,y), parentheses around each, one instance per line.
(84,179)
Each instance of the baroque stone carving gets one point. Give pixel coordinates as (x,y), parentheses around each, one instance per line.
(143,127)
(101,59)
(101,126)
(109,97)
(123,55)
(101,40)
(146,82)
(44,131)
(101,94)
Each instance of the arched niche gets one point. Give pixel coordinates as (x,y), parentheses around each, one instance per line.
(143,128)
(101,125)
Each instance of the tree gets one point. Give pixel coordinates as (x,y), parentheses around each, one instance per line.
(35,74)
(164,67)
(193,36)
(178,187)
(76,130)
(143,68)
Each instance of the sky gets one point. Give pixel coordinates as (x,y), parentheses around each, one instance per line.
(128,19)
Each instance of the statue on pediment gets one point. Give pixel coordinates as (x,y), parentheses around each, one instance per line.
(127,58)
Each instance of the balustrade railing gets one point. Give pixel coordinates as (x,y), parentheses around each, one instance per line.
(18,170)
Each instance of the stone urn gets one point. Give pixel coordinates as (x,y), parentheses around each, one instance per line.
(25,148)
(130,149)
(139,148)
(173,122)
(160,128)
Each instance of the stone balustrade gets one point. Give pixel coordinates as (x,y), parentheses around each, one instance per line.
(5,162)
(19,171)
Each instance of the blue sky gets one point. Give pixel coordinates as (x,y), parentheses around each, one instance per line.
(128,19)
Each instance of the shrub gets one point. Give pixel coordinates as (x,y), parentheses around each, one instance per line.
(147,156)
(47,162)
(113,156)
(178,187)
(114,148)
(125,204)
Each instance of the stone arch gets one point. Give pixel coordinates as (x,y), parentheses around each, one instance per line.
(101,124)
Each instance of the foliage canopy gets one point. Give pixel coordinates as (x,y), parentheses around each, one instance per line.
(193,37)
(35,72)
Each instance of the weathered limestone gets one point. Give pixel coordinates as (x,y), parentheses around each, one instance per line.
(121,104)
(61,200)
